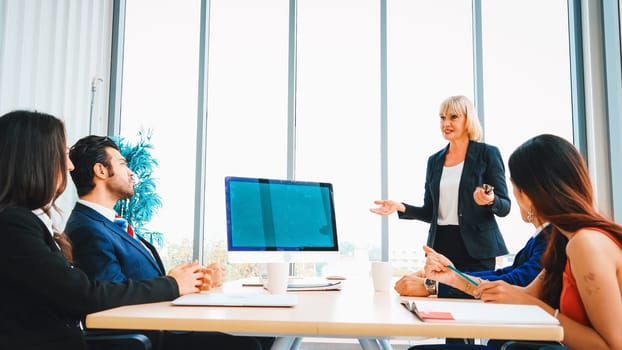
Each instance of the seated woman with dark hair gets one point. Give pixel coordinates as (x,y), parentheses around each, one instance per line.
(582,265)
(42,296)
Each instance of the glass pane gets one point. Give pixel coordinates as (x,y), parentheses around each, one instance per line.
(429,59)
(247,106)
(527,83)
(337,123)
(159,93)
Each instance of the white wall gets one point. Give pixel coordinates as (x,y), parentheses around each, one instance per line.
(51,51)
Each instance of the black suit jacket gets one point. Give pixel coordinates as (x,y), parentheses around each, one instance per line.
(478,227)
(43,297)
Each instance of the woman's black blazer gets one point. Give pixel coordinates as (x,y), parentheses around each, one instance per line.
(478,227)
(43,297)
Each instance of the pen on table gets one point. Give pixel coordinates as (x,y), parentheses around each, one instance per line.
(463,275)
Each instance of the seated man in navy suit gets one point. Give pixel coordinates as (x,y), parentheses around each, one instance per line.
(526,266)
(108,252)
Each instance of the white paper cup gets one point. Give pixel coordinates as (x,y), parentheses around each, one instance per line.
(278,277)
(381,272)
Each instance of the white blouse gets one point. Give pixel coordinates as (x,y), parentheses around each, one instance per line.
(448,195)
(47,220)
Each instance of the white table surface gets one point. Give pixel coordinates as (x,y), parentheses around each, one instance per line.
(354,312)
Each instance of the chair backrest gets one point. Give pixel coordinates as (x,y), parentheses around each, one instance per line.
(130,341)
(532,345)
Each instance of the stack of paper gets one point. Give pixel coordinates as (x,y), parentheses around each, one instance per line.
(302,285)
(299,284)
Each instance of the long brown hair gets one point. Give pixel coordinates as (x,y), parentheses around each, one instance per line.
(32,152)
(553,174)
(34,169)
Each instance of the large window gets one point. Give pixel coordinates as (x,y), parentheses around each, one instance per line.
(160,75)
(337,94)
(526,83)
(429,58)
(524,66)
(247,106)
(337,109)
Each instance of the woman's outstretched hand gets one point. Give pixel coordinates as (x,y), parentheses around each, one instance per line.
(387,207)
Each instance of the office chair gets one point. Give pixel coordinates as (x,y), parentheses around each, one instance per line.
(111,341)
(532,345)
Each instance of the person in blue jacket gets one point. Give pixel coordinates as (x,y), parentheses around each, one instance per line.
(465,189)
(107,250)
(526,266)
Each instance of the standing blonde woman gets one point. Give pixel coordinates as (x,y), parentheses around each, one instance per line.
(461,212)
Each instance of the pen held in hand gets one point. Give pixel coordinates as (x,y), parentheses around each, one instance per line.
(461,274)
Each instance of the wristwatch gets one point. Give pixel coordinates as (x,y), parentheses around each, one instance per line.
(430,286)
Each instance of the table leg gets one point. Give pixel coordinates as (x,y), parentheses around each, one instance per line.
(375,344)
(368,344)
(286,343)
(385,344)
(296,343)
(293,343)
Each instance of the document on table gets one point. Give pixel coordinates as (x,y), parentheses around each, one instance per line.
(301,286)
(237,299)
(296,284)
(477,312)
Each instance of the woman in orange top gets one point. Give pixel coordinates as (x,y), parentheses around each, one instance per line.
(583,260)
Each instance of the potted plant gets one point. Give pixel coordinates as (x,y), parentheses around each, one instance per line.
(139,209)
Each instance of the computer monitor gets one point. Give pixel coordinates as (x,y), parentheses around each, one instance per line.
(272,220)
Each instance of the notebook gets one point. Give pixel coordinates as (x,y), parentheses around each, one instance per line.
(477,312)
(237,299)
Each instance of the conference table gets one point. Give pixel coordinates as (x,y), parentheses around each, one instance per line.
(356,311)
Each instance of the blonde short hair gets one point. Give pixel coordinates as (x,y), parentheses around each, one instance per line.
(461,105)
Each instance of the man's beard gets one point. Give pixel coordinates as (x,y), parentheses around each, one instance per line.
(122,193)
(126,194)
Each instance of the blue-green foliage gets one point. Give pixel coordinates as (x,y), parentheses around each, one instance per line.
(140,208)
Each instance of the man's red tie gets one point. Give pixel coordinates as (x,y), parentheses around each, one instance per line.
(122,223)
